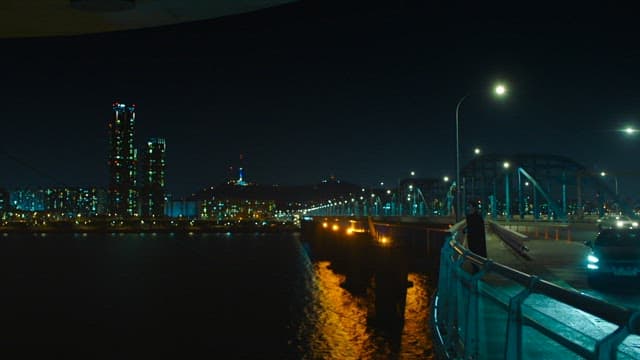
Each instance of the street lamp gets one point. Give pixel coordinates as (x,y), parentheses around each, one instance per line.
(615,179)
(499,90)
(507,195)
(476,151)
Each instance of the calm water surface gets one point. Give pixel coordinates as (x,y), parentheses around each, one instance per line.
(200,296)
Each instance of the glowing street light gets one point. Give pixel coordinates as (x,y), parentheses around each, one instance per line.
(476,151)
(446,179)
(413,173)
(506,164)
(615,179)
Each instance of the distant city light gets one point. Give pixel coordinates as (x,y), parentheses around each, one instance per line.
(500,89)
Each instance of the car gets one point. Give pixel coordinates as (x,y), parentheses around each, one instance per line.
(616,221)
(615,253)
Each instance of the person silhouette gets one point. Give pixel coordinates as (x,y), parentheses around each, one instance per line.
(476,239)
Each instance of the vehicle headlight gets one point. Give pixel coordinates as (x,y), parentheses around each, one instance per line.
(634,224)
(592,259)
(619,223)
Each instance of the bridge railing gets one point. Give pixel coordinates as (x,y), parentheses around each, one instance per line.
(502,313)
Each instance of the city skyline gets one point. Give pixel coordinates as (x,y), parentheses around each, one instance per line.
(307,91)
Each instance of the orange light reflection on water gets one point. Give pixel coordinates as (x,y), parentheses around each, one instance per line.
(339,326)
(416,335)
(338,329)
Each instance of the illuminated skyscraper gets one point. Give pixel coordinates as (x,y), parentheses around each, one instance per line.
(122,161)
(153,181)
(4,200)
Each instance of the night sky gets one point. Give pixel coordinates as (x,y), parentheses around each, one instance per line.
(304,91)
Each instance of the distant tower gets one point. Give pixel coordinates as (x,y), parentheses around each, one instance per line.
(122,161)
(241,176)
(241,180)
(153,182)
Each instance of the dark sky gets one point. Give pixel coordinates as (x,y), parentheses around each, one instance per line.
(365,92)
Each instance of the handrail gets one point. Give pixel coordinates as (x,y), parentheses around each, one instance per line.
(607,311)
(510,238)
(457,328)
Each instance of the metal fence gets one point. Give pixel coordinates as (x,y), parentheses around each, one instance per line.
(502,313)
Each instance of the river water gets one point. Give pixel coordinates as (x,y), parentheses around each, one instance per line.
(236,296)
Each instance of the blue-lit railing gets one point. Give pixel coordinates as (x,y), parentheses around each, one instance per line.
(502,313)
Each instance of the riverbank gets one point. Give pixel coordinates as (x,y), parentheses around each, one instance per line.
(107,228)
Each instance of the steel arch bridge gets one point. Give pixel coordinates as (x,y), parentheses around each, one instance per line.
(537,185)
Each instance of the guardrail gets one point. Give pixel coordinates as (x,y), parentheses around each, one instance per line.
(511,238)
(541,230)
(502,313)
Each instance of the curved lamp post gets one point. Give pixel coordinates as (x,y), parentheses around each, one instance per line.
(500,90)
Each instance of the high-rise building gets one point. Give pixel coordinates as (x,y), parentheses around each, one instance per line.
(122,161)
(153,180)
(4,200)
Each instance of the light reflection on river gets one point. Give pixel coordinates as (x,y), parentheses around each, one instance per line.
(335,323)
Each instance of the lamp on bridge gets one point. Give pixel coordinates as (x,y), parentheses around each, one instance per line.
(507,195)
(499,90)
(615,179)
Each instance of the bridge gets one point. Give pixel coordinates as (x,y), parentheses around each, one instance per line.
(508,186)
(529,301)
